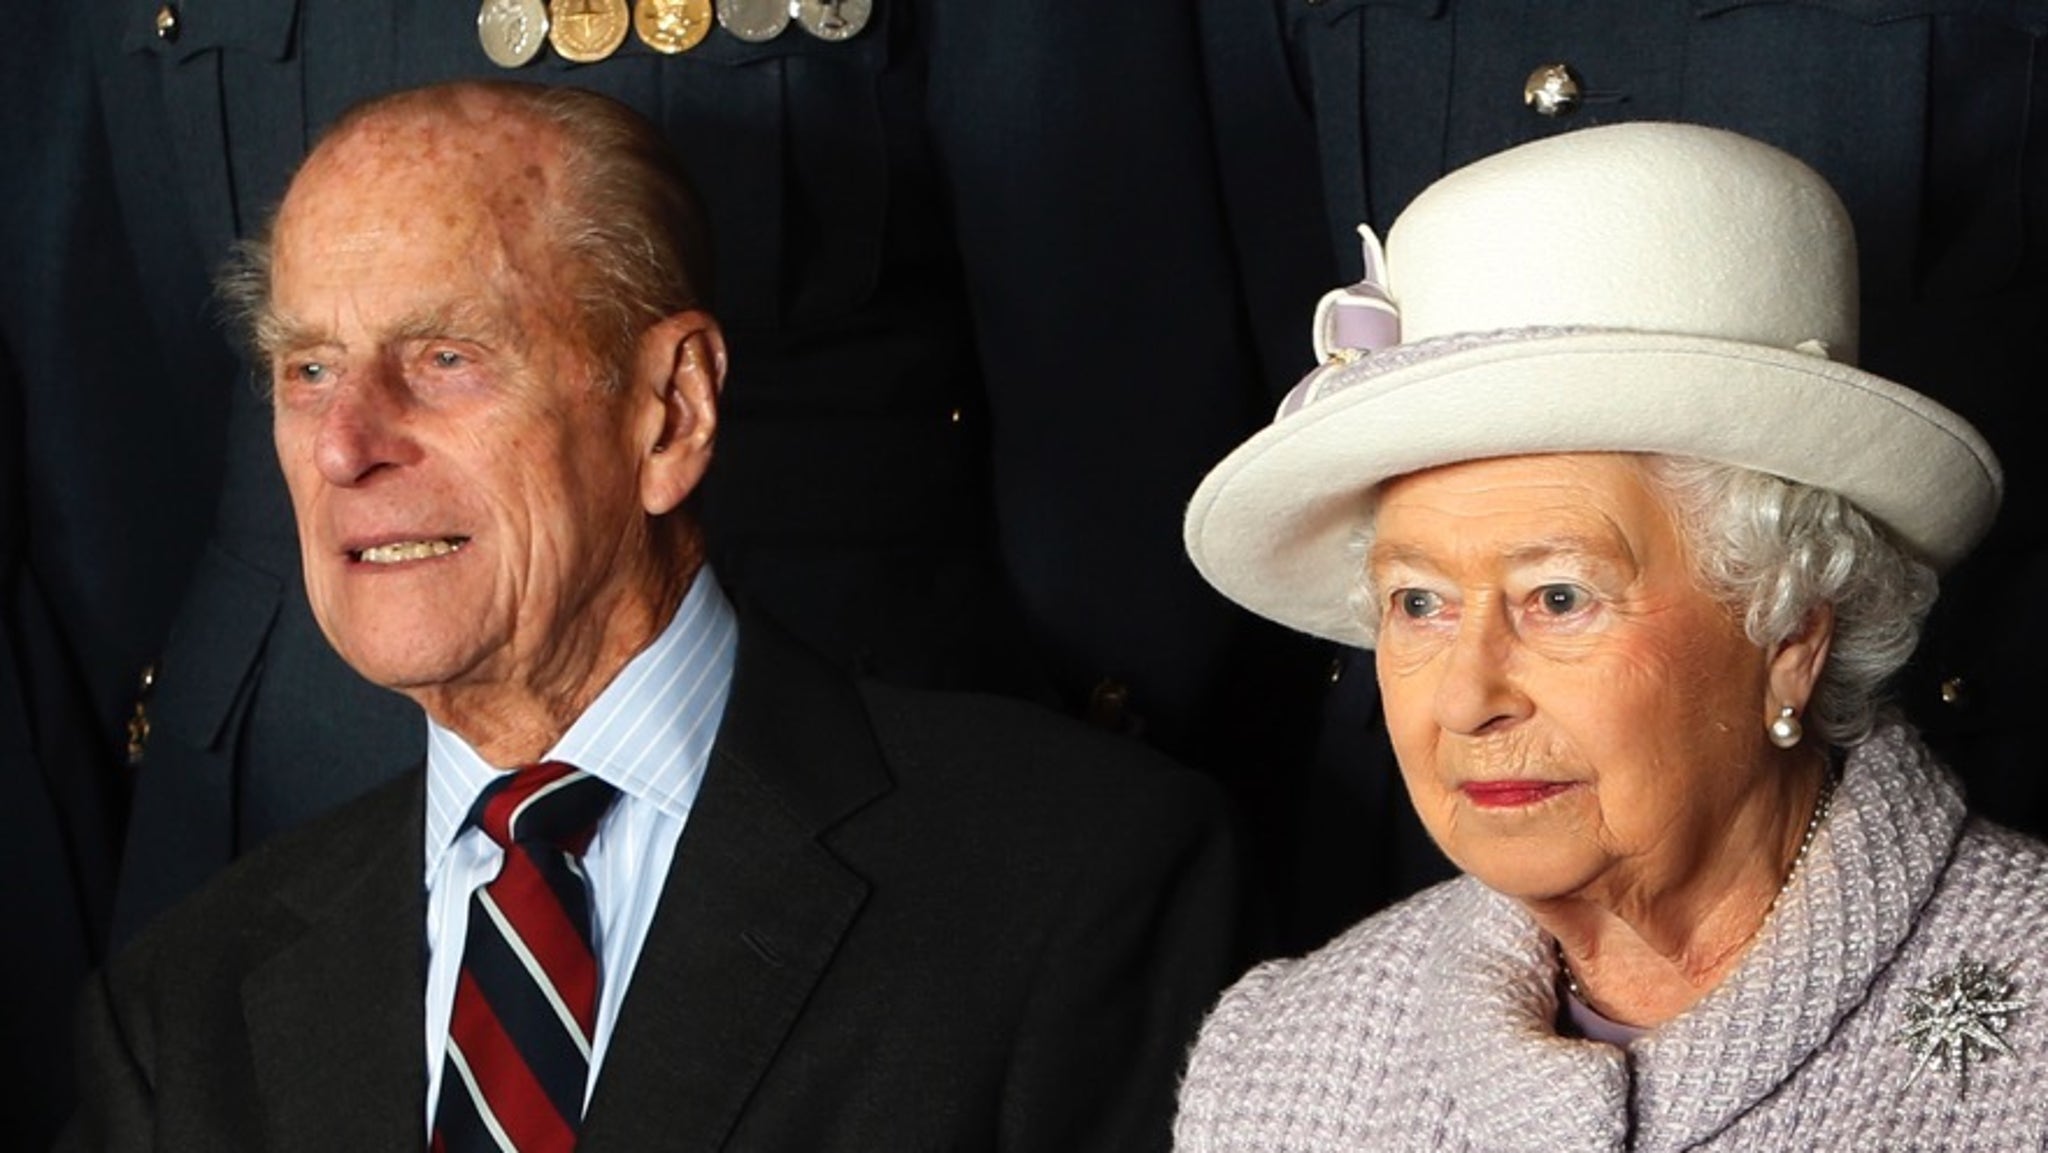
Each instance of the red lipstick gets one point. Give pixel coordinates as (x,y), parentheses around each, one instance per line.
(1511,794)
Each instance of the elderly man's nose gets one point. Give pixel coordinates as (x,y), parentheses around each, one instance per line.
(1478,690)
(361,431)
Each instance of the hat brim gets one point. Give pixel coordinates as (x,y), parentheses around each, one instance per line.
(1272,525)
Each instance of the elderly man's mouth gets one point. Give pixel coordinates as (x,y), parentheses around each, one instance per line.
(399,552)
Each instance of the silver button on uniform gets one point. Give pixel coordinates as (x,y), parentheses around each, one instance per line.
(1553,90)
(1955,693)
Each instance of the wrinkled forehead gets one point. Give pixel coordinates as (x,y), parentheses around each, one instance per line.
(452,176)
(1528,507)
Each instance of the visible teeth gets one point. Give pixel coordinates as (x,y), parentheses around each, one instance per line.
(409,550)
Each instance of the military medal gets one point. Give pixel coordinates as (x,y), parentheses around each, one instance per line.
(511,31)
(755,21)
(833,19)
(587,31)
(672,26)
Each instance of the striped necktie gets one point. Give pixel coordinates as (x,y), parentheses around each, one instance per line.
(526,1003)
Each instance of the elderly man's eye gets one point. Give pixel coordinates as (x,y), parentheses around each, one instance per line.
(1560,600)
(310,371)
(447,358)
(1417,603)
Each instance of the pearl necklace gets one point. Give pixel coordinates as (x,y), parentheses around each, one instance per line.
(1813,823)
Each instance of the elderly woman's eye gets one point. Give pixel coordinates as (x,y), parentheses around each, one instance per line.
(1559,600)
(1417,602)
(447,358)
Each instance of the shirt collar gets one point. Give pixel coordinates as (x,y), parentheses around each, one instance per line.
(648,734)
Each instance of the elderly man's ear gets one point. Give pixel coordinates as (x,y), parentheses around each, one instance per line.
(680,368)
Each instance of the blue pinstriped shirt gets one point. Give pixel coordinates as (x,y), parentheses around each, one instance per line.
(649,734)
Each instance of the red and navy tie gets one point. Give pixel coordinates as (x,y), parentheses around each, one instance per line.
(526,1005)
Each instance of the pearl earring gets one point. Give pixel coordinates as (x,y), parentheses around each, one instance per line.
(1786,731)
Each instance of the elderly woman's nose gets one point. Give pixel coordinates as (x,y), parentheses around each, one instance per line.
(1477,690)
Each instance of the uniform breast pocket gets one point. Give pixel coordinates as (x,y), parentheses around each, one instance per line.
(225,80)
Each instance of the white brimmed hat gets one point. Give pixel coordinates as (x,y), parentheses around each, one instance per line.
(1661,288)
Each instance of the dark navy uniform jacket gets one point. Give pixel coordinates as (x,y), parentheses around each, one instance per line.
(89,569)
(1929,117)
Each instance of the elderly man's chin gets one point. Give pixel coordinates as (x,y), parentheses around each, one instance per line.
(398,624)
(403,643)
(410,664)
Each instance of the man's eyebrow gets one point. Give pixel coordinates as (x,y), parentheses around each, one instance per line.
(457,319)
(277,333)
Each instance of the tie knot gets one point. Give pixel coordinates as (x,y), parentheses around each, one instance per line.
(551,803)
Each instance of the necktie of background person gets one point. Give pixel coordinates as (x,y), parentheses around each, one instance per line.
(525,1004)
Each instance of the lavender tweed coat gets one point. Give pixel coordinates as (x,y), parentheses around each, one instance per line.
(1429,1026)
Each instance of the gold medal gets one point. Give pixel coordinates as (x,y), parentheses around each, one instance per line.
(587,31)
(754,21)
(672,26)
(511,31)
(834,19)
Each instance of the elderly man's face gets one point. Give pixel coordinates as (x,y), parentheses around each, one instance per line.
(468,496)
(1573,716)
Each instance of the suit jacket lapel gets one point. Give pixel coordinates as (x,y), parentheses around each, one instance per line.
(753,909)
(335,1013)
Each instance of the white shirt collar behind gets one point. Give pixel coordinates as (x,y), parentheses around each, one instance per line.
(648,734)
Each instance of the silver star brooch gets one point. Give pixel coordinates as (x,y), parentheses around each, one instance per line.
(1959,1017)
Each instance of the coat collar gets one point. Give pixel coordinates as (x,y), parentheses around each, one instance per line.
(1492,977)
(1840,923)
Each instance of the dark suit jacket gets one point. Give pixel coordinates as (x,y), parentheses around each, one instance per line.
(1929,118)
(896,921)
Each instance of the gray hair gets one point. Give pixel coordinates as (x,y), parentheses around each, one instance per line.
(631,222)
(1776,551)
